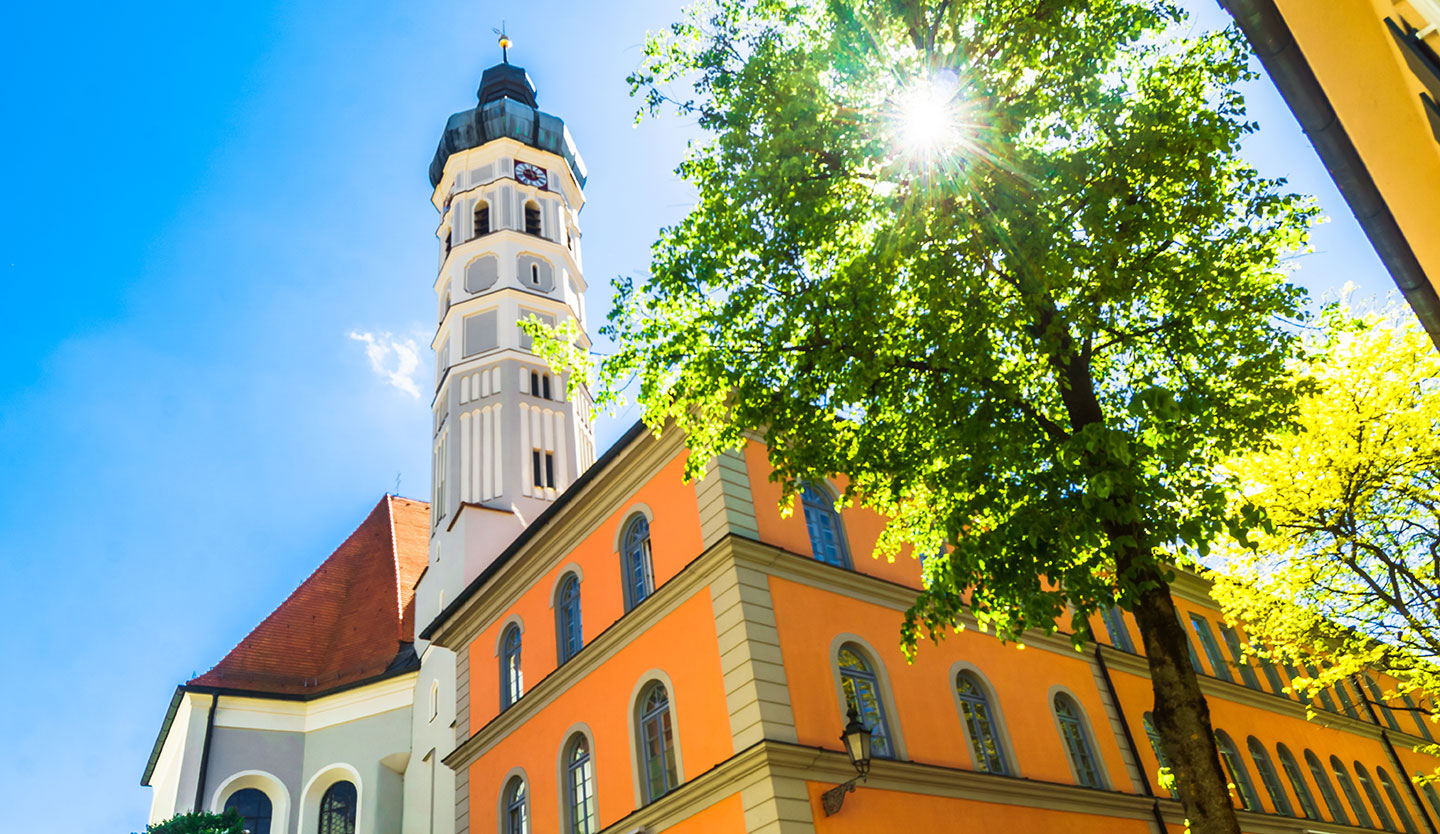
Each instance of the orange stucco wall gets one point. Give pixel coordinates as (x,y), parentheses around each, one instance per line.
(724,816)
(862,526)
(868,811)
(923,711)
(602,702)
(675,542)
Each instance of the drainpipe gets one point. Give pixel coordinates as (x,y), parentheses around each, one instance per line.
(205,754)
(1130,741)
(1405,777)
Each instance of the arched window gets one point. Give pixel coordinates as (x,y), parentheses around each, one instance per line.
(1077,742)
(657,743)
(532,218)
(862,692)
(827,540)
(434,699)
(516,810)
(580,788)
(534,275)
(482,218)
(980,724)
(1378,696)
(1148,719)
(512,680)
(337,809)
(1356,803)
(1297,782)
(1269,778)
(1327,790)
(1431,796)
(1239,774)
(1114,620)
(1418,714)
(639,575)
(567,619)
(1387,822)
(1401,809)
(253,806)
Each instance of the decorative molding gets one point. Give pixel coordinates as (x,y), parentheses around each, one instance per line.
(259,713)
(1213,687)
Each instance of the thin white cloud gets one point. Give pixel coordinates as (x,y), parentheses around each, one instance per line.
(394,360)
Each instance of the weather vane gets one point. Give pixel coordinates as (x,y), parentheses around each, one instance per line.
(504,43)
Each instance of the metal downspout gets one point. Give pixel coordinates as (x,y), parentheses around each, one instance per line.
(1390,751)
(1130,740)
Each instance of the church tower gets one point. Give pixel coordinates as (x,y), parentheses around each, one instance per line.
(507,438)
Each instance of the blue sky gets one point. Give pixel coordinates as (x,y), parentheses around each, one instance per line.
(201,204)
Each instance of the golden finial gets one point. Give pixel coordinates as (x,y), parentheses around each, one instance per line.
(504,43)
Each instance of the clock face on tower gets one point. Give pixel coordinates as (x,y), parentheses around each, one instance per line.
(527,174)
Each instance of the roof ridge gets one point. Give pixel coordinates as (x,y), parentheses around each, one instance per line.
(395,561)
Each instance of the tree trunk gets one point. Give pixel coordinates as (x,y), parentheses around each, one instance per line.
(1182,716)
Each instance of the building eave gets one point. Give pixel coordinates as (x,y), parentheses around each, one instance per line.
(164,734)
(1264,26)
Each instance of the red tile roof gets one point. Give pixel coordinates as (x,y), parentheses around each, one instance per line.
(349,621)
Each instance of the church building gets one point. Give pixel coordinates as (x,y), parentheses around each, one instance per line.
(564,642)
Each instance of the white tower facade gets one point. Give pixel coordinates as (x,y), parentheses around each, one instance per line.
(507,438)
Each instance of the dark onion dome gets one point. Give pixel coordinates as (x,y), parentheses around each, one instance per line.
(506,108)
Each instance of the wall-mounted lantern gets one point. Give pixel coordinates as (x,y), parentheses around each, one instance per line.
(856,739)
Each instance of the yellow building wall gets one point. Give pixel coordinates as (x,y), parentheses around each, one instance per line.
(1377,99)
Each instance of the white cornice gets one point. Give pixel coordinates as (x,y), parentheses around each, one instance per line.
(260,713)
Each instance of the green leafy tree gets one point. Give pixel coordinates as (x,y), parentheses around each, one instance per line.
(1349,568)
(998,262)
(199,822)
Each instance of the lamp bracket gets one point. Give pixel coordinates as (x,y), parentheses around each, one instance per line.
(832,799)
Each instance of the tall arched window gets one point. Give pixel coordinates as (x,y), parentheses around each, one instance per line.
(862,692)
(1387,822)
(657,743)
(580,788)
(1077,742)
(253,806)
(482,218)
(1353,796)
(1327,790)
(1431,796)
(532,218)
(639,573)
(827,539)
(1239,774)
(1378,697)
(1148,719)
(512,679)
(337,809)
(1401,809)
(1114,620)
(1297,782)
(1418,714)
(567,619)
(516,810)
(1269,778)
(980,724)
